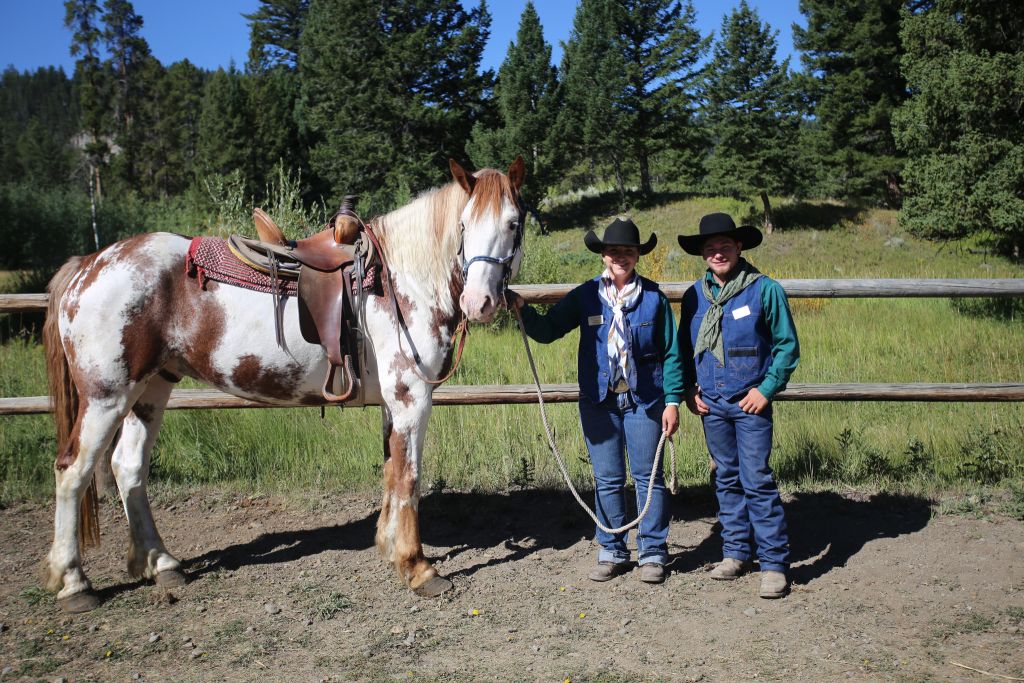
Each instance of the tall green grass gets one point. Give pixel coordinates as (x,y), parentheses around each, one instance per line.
(915,446)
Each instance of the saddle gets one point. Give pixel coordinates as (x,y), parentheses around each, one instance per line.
(331,268)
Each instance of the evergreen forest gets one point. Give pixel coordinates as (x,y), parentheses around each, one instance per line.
(912,105)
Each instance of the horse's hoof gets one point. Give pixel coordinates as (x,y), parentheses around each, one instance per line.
(79,602)
(431,588)
(171,578)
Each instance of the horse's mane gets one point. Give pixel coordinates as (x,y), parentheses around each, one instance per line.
(422,238)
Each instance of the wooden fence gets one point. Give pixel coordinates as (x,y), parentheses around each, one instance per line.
(452,394)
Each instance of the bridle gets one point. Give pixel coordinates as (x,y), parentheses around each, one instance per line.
(462,329)
(506,261)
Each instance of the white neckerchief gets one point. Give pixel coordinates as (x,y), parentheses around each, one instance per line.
(618,299)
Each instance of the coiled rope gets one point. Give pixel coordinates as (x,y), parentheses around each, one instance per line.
(673,486)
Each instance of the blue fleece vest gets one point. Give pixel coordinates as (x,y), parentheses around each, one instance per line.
(747,341)
(645,353)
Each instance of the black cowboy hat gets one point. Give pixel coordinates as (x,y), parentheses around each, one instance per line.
(621,233)
(720,225)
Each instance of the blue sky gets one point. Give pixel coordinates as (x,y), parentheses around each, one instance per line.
(212,33)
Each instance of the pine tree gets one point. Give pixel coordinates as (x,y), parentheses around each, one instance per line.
(962,127)
(750,112)
(82,16)
(662,48)
(39,114)
(525,94)
(390,98)
(851,53)
(169,152)
(273,85)
(630,72)
(275,34)
(132,73)
(589,125)
(224,145)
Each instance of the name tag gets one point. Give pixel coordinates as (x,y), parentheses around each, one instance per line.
(594,320)
(741,312)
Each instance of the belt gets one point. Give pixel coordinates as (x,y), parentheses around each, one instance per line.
(620,387)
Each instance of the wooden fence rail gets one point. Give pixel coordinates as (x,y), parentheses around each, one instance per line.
(563,393)
(796,289)
(508,394)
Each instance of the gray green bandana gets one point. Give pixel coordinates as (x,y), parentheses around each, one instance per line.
(709,336)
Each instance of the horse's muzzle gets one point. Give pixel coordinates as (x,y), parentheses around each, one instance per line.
(478,309)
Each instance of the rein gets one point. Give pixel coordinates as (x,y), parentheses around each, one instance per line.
(673,485)
(399,319)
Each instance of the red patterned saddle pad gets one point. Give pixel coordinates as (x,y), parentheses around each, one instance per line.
(209,258)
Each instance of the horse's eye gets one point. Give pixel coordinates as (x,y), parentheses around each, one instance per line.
(513,225)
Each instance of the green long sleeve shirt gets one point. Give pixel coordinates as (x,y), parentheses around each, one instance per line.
(564,317)
(784,343)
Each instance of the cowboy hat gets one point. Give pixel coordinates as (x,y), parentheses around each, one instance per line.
(720,225)
(621,233)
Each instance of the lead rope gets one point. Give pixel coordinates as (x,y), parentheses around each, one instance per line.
(673,485)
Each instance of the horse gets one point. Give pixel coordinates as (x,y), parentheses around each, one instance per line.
(125,323)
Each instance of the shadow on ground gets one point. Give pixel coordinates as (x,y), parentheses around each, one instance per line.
(826,530)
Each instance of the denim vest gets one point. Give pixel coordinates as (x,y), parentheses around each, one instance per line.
(645,353)
(747,342)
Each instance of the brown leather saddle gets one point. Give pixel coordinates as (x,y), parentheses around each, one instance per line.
(331,268)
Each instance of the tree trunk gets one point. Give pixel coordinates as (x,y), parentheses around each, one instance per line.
(94,190)
(645,176)
(769,219)
(894,190)
(620,182)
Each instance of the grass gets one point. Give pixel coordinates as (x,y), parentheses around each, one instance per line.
(924,447)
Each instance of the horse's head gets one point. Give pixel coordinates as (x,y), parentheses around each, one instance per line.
(492,236)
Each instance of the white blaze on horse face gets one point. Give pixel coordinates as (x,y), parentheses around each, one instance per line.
(494,236)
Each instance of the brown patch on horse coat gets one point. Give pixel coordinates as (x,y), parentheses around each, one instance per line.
(66,458)
(144,411)
(69,303)
(250,375)
(402,394)
(210,329)
(400,485)
(490,189)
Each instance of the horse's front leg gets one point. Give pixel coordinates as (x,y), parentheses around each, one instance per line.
(398,528)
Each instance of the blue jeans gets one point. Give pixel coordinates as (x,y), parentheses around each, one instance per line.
(611,428)
(749,505)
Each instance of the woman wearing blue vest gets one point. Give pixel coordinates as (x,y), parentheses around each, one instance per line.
(631,384)
(739,348)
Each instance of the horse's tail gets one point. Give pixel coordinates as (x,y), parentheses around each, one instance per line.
(64,395)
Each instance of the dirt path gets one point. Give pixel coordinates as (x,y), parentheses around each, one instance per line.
(286,590)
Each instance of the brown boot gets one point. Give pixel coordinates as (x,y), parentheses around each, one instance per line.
(652,572)
(730,568)
(773,585)
(605,571)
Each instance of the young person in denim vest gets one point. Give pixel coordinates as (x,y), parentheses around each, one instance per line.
(631,384)
(739,348)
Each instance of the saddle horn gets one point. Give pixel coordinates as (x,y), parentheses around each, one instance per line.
(346,223)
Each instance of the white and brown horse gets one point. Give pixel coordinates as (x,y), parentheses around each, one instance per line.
(126,322)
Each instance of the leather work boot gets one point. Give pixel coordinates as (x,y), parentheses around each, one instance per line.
(652,572)
(730,568)
(605,571)
(773,585)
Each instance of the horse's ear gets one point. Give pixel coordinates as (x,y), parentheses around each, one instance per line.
(461,177)
(516,172)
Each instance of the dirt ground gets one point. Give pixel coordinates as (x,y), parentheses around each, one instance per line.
(290,589)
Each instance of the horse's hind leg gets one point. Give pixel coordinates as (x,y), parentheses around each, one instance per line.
(398,528)
(147,556)
(93,430)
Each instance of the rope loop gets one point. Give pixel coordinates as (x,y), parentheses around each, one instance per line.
(673,485)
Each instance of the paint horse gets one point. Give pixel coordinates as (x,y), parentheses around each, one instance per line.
(124,324)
